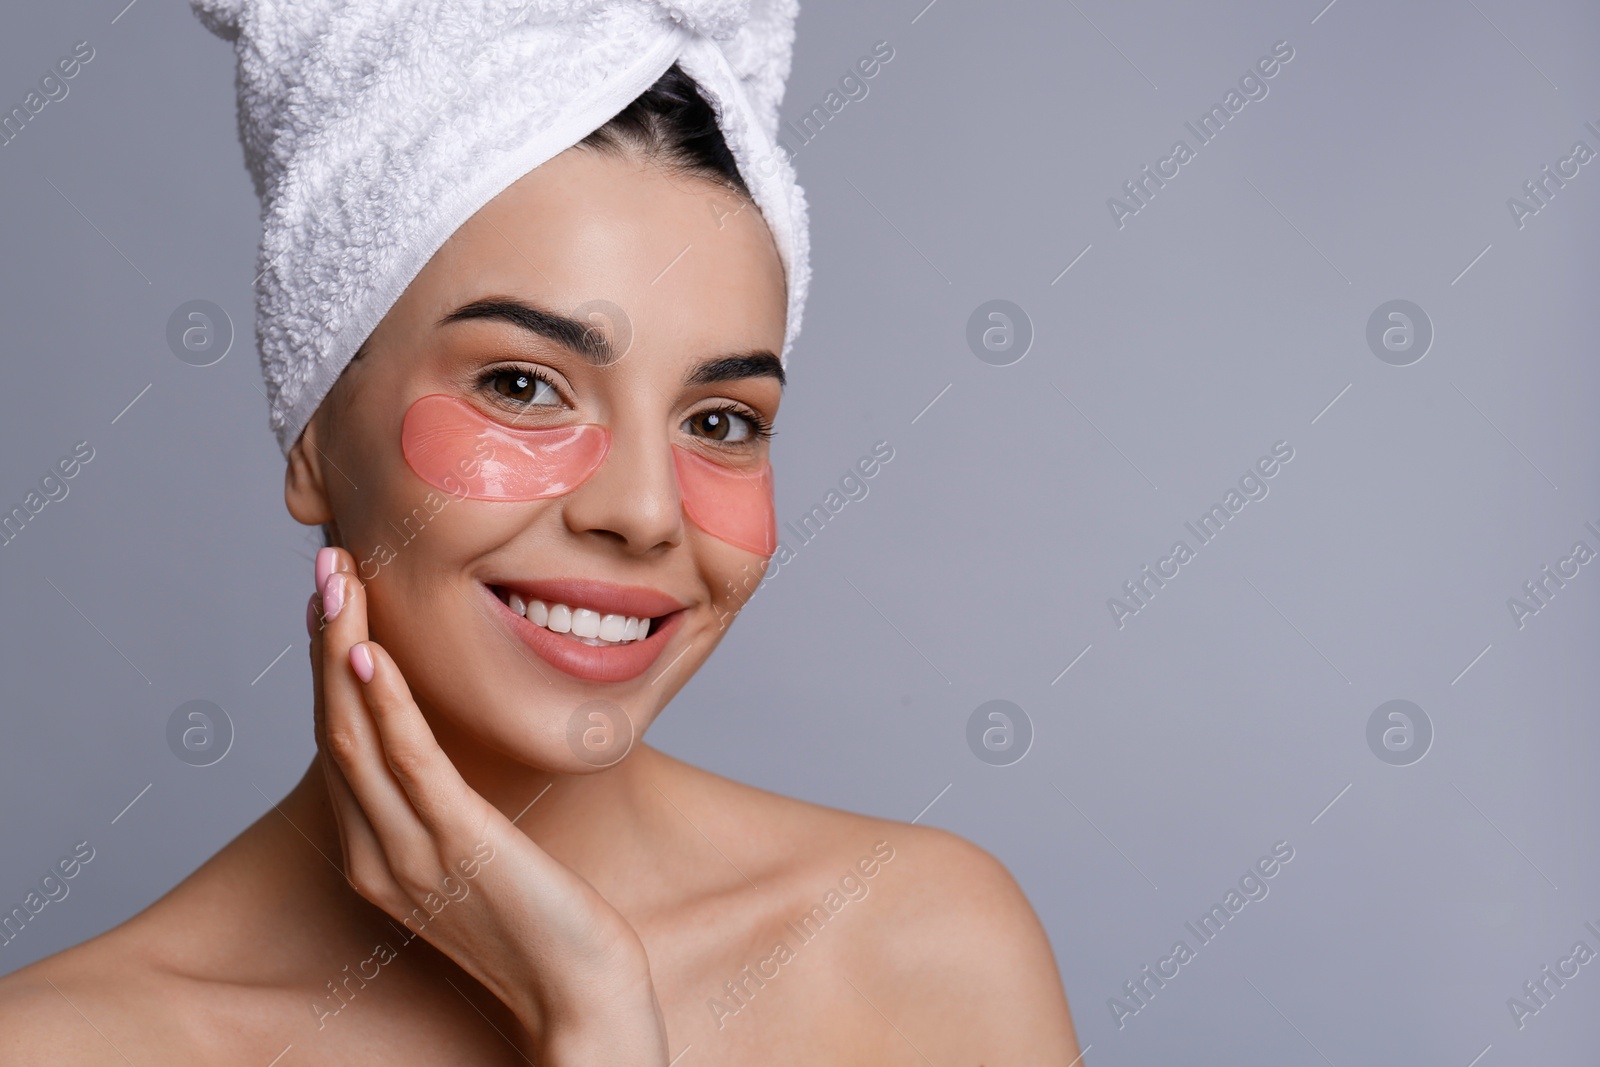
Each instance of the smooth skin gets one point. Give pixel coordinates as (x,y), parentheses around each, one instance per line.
(578,915)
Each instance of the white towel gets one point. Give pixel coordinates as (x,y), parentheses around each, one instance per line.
(374,128)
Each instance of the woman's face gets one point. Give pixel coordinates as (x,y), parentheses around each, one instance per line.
(683,281)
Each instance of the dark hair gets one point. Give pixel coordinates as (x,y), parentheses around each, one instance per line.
(673,123)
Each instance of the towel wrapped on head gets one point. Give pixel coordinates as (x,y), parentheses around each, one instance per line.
(373,129)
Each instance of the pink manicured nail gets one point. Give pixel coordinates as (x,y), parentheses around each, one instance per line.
(311,616)
(325,561)
(332,596)
(361,661)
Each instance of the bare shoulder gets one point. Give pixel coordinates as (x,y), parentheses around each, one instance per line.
(935,934)
(956,954)
(38,1025)
(96,1003)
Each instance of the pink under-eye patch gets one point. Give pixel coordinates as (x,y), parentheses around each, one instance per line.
(732,506)
(453,446)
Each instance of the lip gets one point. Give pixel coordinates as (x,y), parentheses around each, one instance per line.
(605,597)
(592,663)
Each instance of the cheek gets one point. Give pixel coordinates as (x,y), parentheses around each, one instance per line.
(453,447)
(732,506)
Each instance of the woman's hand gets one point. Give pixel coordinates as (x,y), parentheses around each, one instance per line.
(424,846)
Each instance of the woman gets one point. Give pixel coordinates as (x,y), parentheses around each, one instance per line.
(484,863)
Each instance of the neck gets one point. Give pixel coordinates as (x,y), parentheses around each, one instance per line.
(613,827)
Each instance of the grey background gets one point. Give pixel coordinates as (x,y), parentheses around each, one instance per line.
(1225,316)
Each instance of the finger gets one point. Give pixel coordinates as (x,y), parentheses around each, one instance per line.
(412,852)
(350,734)
(314,625)
(358,840)
(448,807)
(358,843)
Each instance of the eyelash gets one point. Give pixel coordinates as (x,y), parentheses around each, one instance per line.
(760,428)
(487,379)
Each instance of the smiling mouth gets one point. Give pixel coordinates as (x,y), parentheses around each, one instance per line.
(582,624)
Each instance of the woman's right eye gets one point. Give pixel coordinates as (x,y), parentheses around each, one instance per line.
(526,388)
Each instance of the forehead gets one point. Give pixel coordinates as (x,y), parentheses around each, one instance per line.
(691,263)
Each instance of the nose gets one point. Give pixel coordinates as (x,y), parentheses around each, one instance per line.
(633,499)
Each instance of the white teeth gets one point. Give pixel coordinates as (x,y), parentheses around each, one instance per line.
(584,624)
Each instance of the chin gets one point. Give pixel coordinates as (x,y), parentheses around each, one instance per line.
(517,677)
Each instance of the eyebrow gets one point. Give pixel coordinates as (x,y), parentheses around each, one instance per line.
(580,337)
(732,368)
(593,345)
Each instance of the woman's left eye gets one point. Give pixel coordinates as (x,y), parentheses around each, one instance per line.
(523,387)
(727,425)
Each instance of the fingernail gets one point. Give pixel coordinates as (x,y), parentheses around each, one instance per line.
(361,661)
(325,561)
(332,596)
(311,616)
